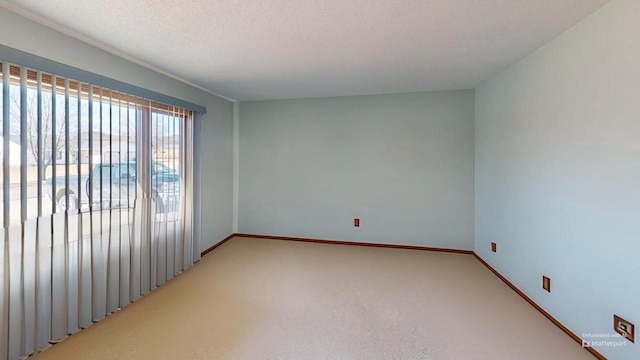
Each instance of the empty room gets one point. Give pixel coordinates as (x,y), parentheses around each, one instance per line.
(436,179)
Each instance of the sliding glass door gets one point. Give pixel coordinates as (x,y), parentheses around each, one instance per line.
(96,203)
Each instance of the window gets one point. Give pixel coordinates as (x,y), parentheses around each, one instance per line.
(96,200)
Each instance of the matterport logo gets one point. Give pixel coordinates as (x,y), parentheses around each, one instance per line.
(602,340)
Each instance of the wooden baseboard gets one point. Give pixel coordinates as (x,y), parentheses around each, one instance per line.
(340,242)
(541,310)
(210,249)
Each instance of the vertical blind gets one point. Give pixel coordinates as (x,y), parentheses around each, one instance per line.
(96,203)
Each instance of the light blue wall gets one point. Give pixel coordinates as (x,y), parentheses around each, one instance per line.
(557,173)
(217,125)
(401,163)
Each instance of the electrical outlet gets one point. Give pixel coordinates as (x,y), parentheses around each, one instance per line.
(624,328)
(494,247)
(356,222)
(546,283)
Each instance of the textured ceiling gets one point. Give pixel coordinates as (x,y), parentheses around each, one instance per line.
(278,49)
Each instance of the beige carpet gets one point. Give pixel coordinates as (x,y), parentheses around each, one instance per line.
(273,299)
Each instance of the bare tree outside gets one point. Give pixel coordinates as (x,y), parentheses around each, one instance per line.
(48,133)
